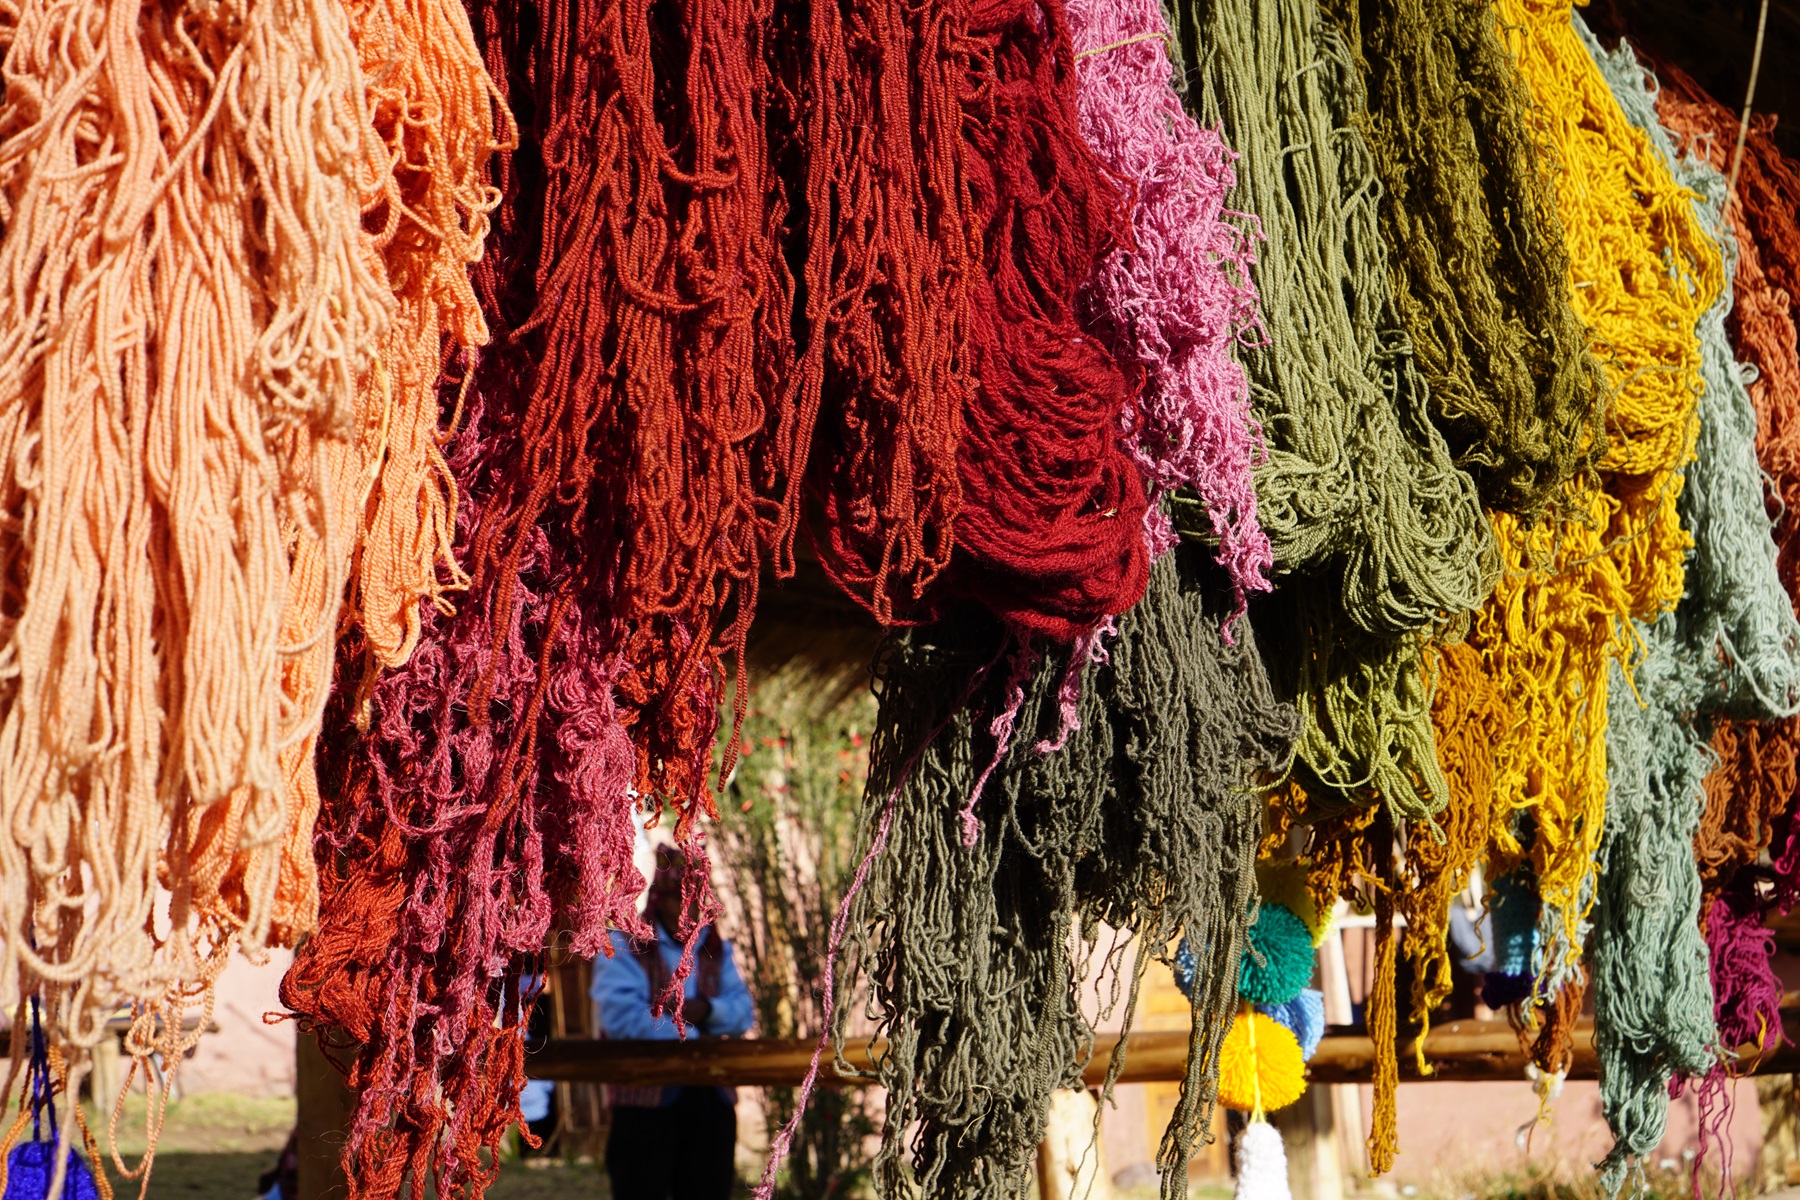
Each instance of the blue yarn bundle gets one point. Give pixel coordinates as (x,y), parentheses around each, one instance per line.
(1732,647)
(31,1167)
(1303,1016)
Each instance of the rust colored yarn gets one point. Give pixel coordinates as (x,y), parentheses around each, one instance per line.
(891,259)
(1051,532)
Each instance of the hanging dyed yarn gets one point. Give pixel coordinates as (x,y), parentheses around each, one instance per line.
(1475,247)
(892,256)
(1731,646)
(433,110)
(192,321)
(493,795)
(637,449)
(1471,717)
(1379,532)
(1642,273)
(1179,300)
(1144,821)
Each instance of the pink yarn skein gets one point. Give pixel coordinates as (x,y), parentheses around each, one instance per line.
(1178,302)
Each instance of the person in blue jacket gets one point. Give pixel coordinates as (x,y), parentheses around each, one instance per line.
(674,1143)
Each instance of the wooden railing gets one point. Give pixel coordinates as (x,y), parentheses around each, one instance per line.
(1456,1049)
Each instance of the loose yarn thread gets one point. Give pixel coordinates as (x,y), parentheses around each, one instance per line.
(1732,645)
(1643,272)
(1142,821)
(193,317)
(1050,535)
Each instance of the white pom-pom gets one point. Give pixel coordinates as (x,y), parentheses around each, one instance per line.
(1262,1164)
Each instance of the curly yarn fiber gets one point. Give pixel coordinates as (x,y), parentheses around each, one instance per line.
(1144,821)
(1642,273)
(1739,945)
(1472,718)
(1178,301)
(1359,495)
(885,292)
(191,316)
(1732,645)
(1476,247)
(1755,778)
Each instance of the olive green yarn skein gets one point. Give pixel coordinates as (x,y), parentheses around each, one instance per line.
(1475,246)
(1145,822)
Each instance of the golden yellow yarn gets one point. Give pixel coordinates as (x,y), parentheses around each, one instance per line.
(1643,271)
(1472,720)
(1260,1068)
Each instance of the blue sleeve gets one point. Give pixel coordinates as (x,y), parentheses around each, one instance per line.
(623,992)
(732,1010)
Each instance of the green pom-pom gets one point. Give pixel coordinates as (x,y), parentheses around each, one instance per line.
(1278,963)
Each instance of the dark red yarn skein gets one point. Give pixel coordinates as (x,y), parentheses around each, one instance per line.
(1051,533)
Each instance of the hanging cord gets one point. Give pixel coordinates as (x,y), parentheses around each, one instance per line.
(1152,36)
(1737,155)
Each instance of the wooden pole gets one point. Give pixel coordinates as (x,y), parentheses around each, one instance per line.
(325,1104)
(1467,1050)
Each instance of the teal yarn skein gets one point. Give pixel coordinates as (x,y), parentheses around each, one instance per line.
(1732,647)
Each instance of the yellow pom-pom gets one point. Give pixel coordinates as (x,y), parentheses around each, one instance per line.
(1260,1061)
(1284,883)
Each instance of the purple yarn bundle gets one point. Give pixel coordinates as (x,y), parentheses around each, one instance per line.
(1176,303)
(1746,993)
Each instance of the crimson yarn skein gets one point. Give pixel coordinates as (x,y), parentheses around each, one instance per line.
(1051,532)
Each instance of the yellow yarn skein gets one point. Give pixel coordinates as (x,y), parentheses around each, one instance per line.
(1643,272)
(1260,1067)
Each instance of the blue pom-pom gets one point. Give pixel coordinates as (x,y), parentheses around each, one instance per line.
(1303,1016)
(30,1167)
(1183,968)
(1278,963)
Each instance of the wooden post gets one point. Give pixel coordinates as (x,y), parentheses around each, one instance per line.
(325,1105)
(1344,1099)
(1071,1162)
